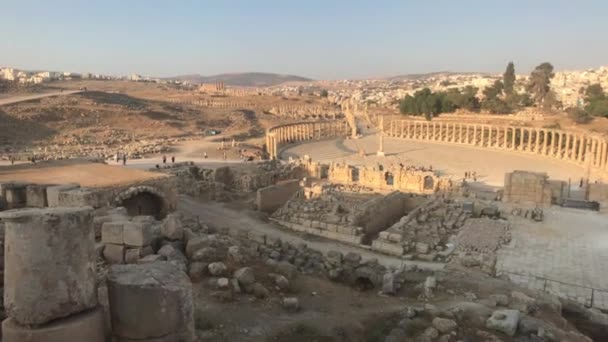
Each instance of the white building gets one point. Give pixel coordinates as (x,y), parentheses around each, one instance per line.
(8,74)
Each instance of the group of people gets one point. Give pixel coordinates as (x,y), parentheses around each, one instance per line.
(470,175)
(124,158)
(173,159)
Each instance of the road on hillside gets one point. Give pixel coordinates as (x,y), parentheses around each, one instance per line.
(23,98)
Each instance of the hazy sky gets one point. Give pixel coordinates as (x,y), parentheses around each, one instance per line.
(318,39)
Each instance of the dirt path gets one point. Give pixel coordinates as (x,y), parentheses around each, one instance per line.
(220,215)
(16,99)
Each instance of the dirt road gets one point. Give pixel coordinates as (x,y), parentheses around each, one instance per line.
(219,215)
(22,98)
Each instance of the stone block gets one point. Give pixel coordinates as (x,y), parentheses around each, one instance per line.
(113,232)
(87,326)
(36,196)
(137,234)
(52,193)
(150,300)
(15,195)
(114,254)
(151,258)
(172,228)
(98,222)
(505,321)
(49,264)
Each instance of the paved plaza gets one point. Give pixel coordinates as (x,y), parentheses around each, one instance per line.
(566,255)
(449,159)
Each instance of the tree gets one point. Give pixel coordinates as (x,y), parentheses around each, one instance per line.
(427,103)
(539,83)
(594,92)
(324,93)
(596,101)
(508,80)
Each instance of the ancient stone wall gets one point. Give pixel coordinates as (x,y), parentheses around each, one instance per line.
(524,187)
(279,136)
(586,149)
(272,197)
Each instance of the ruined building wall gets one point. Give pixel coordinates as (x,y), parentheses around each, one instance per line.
(272,197)
(586,149)
(525,187)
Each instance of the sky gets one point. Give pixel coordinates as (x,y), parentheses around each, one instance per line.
(330,39)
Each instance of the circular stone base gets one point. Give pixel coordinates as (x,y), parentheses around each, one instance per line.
(80,327)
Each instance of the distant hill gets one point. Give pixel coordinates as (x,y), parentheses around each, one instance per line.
(247,79)
(407,77)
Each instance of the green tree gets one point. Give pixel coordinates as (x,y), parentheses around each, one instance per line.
(539,83)
(594,92)
(508,80)
(324,93)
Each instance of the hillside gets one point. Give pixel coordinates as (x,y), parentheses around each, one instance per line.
(248,79)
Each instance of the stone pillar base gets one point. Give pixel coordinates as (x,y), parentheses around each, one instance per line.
(380,154)
(80,327)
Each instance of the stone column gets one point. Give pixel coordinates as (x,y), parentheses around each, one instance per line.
(602,155)
(579,148)
(475,135)
(556,144)
(50,281)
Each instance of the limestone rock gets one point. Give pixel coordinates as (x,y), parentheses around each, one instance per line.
(172,228)
(245,276)
(217,269)
(291,304)
(150,300)
(196,272)
(444,325)
(259,291)
(389,285)
(505,321)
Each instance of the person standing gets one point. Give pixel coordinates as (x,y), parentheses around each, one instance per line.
(124,159)
(205,155)
(172,159)
(164,159)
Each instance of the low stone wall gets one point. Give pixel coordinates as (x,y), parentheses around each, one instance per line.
(272,197)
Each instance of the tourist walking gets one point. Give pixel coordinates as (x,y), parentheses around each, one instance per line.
(124,159)
(205,155)
(173,159)
(164,159)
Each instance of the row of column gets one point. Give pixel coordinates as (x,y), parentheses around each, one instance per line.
(580,148)
(280,135)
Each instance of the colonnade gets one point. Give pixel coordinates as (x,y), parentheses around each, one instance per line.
(586,149)
(303,131)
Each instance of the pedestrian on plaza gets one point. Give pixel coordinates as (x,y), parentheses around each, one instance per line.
(124,159)
(172,159)
(164,159)
(205,155)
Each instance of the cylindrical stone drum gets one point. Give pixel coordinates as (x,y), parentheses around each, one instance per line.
(49,268)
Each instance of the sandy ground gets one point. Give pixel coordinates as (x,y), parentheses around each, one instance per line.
(84,173)
(21,98)
(447,159)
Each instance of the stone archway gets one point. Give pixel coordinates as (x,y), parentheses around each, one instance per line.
(429,183)
(143,200)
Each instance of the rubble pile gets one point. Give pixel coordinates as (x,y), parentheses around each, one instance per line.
(478,242)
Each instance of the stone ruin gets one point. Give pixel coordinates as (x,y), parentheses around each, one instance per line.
(532,188)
